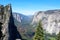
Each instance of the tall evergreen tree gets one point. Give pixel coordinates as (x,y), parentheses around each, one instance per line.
(39,34)
(58,36)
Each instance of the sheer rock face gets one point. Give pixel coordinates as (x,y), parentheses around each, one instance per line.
(9,30)
(50,20)
(4,20)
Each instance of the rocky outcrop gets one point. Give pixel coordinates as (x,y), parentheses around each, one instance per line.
(8,30)
(17,16)
(22,20)
(50,20)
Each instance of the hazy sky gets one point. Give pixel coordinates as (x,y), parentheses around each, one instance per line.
(29,7)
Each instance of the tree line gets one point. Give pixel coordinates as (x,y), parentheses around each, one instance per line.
(39,33)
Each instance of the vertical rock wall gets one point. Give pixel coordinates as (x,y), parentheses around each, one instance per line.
(8,30)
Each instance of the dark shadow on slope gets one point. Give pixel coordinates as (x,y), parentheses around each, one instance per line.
(13,33)
(0,30)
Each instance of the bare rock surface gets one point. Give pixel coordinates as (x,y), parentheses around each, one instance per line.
(50,20)
(8,28)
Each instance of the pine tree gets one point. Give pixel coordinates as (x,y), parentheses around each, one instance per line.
(39,35)
(58,36)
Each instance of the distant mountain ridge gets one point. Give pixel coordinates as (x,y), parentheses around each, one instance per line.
(50,20)
(23,24)
(27,24)
(20,17)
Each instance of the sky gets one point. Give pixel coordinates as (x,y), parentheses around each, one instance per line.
(29,7)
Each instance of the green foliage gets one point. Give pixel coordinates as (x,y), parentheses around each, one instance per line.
(58,36)
(49,36)
(39,35)
(52,38)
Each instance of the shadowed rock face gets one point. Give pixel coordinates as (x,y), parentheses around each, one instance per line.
(0,30)
(13,33)
(1,19)
(8,30)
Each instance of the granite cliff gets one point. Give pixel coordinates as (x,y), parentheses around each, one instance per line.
(50,20)
(7,27)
